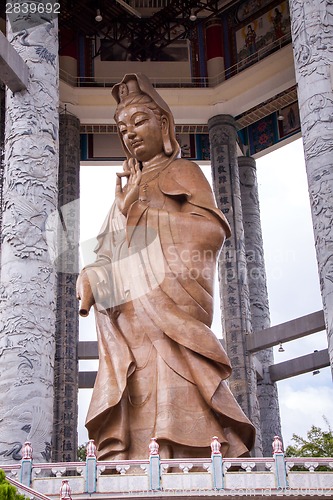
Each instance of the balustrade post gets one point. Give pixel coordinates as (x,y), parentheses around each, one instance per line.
(91,467)
(154,466)
(280,465)
(65,490)
(217,464)
(26,464)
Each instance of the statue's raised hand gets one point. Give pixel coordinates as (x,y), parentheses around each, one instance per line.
(128,194)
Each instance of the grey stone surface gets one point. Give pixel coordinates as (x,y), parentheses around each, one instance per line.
(312,35)
(2,150)
(13,70)
(27,292)
(266,389)
(234,290)
(67,322)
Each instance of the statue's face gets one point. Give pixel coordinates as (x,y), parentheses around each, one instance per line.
(141,131)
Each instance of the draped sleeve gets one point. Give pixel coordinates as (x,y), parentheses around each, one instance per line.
(185,178)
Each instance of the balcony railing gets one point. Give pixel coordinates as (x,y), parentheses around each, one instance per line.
(182,82)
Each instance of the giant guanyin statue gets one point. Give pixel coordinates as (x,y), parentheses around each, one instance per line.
(162,371)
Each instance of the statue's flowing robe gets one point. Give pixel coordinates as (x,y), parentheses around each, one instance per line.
(162,372)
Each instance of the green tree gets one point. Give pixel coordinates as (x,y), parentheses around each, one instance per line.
(318,443)
(82,452)
(7,490)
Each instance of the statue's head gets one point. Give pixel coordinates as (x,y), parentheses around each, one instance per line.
(139,105)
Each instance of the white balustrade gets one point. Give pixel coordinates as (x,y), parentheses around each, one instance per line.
(257,475)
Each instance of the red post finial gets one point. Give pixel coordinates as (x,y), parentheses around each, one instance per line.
(153,446)
(215,446)
(27,451)
(65,490)
(277,445)
(91,449)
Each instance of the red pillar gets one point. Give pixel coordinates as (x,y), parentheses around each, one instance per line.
(68,52)
(215,51)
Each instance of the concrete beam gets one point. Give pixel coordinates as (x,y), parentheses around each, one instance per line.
(297,366)
(87,380)
(88,350)
(258,368)
(291,330)
(13,70)
(280,371)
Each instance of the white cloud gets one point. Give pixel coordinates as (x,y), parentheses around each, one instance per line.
(302,407)
(293,284)
(292,276)
(84,401)
(97,194)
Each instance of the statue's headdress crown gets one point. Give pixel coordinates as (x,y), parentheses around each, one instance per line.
(129,88)
(134,84)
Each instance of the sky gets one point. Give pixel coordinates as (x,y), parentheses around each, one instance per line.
(293,284)
(291,268)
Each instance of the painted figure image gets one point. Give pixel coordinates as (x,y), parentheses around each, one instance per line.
(277,24)
(250,40)
(162,371)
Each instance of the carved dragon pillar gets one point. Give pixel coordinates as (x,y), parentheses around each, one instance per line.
(266,389)
(28,277)
(312,35)
(67,322)
(2,150)
(234,290)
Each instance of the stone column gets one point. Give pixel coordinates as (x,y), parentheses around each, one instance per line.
(267,391)
(215,51)
(28,277)
(2,150)
(64,447)
(312,35)
(234,290)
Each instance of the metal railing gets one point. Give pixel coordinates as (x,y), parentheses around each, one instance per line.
(182,82)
